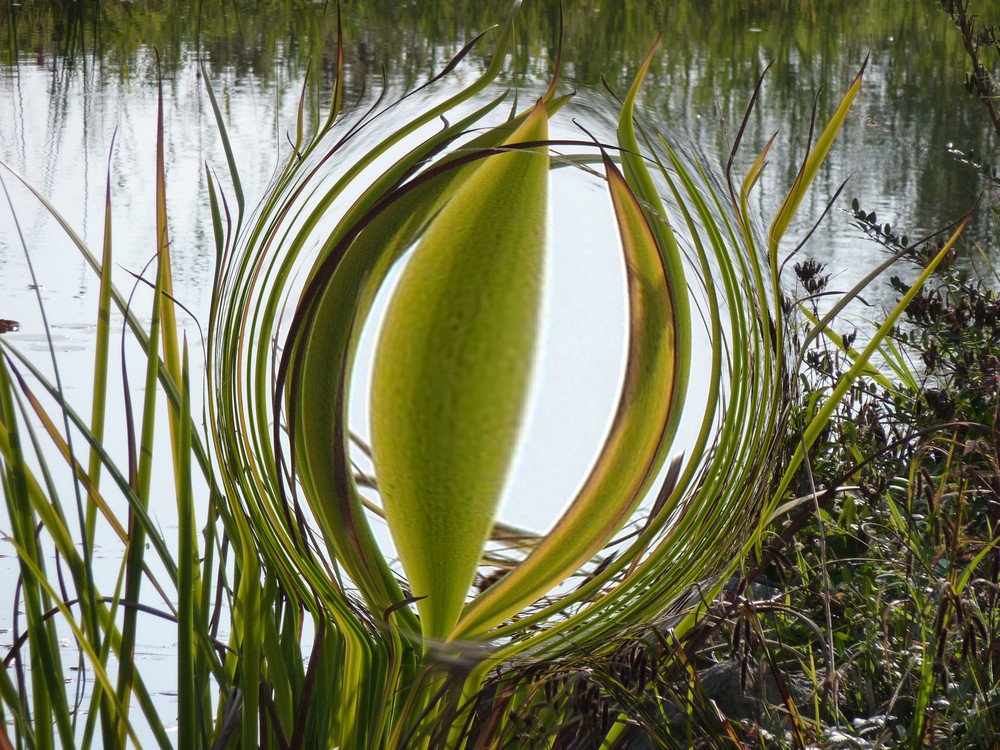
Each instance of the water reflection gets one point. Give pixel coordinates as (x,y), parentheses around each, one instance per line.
(74,74)
(911,107)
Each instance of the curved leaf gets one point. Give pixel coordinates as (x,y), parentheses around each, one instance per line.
(631,455)
(452,370)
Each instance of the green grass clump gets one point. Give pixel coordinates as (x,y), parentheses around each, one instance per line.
(870,616)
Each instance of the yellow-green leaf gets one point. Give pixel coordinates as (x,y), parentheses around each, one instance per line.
(811,166)
(637,441)
(452,371)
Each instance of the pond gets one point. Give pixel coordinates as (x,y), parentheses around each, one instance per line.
(78,84)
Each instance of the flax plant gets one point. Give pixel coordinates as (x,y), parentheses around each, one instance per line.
(465,208)
(331,644)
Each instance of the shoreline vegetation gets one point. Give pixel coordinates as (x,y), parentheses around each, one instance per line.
(821,570)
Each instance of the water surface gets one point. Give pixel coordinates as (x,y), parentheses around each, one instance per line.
(79,87)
